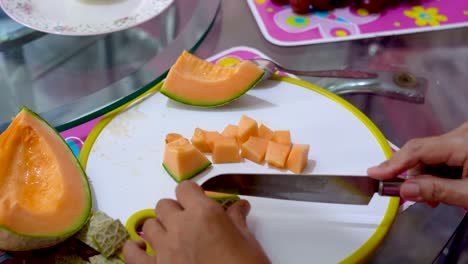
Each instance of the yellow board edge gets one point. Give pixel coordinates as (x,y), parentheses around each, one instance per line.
(365,250)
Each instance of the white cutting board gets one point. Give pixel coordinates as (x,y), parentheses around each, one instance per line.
(123,161)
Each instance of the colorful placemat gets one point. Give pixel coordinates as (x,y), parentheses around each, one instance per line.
(75,137)
(281,26)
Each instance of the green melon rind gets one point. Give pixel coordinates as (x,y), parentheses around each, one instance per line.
(225,200)
(52,239)
(189,176)
(208,104)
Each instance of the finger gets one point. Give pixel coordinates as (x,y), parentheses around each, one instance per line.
(190,194)
(434,189)
(165,208)
(134,253)
(437,150)
(238,213)
(154,232)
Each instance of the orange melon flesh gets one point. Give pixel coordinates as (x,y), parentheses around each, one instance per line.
(199,140)
(277,154)
(194,81)
(211,137)
(226,150)
(255,149)
(282,137)
(298,158)
(172,137)
(44,193)
(183,161)
(265,132)
(247,127)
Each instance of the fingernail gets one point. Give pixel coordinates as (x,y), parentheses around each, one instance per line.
(245,207)
(411,191)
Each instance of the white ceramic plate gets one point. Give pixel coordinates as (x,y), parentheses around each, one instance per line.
(82,17)
(123,156)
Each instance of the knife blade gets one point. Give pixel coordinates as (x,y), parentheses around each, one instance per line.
(340,189)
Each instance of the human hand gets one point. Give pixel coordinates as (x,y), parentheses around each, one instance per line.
(196,229)
(450,149)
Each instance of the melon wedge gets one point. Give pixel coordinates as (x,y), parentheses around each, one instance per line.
(44,193)
(225,199)
(298,158)
(183,161)
(194,81)
(277,154)
(172,137)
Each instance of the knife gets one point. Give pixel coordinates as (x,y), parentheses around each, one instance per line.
(340,189)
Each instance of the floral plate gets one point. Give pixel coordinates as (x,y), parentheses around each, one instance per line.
(83,17)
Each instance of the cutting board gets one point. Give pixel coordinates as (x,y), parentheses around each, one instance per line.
(123,154)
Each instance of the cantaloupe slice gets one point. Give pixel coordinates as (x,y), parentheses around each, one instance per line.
(265,132)
(172,137)
(282,137)
(298,158)
(44,193)
(226,150)
(183,161)
(225,199)
(254,149)
(194,81)
(277,154)
(248,127)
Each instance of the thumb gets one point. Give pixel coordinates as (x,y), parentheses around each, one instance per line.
(434,189)
(238,213)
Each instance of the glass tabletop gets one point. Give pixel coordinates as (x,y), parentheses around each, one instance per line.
(71,80)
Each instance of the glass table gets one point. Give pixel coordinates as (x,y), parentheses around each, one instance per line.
(71,80)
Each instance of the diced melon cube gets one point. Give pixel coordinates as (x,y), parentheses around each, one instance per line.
(230,131)
(254,149)
(172,137)
(277,154)
(211,137)
(298,158)
(282,137)
(199,140)
(265,132)
(183,161)
(226,150)
(247,127)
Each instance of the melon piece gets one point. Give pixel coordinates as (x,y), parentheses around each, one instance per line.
(255,149)
(298,158)
(247,128)
(225,199)
(199,140)
(45,196)
(194,81)
(183,161)
(226,150)
(265,132)
(282,137)
(277,154)
(211,137)
(172,137)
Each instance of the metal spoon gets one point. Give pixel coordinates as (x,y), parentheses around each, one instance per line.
(271,68)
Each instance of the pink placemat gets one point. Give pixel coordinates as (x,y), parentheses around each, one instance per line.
(280,26)
(76,136)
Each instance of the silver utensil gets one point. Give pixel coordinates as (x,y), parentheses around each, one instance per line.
(270,68)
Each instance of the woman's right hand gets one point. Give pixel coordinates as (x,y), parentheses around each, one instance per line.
(450,149)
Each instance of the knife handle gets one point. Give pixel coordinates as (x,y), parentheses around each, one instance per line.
(392,187)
